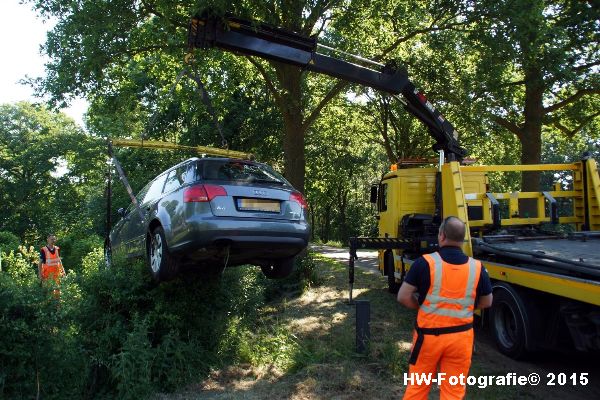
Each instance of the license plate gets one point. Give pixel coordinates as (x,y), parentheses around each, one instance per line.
(260,205)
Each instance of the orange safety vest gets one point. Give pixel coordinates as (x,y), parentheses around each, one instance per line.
(52,268)
(450,301)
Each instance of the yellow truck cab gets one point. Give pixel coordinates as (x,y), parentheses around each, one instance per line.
(546,284)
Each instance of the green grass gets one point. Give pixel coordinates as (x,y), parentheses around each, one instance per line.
(118,335)
(307,345)
(331,243)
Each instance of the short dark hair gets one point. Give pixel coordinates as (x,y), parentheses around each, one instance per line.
(454,229)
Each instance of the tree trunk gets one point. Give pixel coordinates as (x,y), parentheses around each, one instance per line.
(531,137)
(384,113)
(342,195)
(294,131)
(326,224)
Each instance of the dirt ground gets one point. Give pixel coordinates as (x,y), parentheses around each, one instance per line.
(327,366)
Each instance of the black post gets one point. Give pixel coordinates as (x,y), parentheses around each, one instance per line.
(353,246)
(363,326)
(350,278)
(108,201)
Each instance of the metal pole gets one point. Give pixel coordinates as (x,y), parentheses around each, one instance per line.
(108,196)
(350,278)
(354,56)
(363,324)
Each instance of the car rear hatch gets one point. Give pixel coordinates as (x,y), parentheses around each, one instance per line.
(250,190)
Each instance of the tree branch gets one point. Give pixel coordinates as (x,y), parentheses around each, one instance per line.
(586,66)
(510,126)
(334,91)
(317,11)
(151,9)
(413,34)
(579,94)
(139,50)
(268,80)
(572,132)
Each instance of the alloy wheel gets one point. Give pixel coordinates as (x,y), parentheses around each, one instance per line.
(156,252)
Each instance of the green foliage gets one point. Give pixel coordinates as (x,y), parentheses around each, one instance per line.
(21,264)
(74,249)
(44,160)
(114,333)
(272,343)
(8,241)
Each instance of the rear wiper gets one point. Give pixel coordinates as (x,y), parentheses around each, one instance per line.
(254,180)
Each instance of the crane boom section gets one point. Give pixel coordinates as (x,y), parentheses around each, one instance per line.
(276,44)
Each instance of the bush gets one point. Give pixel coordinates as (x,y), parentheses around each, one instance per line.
(115,333)
(39,345)
(21,265)
(74,248)
(8,242)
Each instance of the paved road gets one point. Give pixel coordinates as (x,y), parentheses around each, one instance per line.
(367,259)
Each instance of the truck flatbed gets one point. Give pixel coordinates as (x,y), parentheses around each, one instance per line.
(576,257)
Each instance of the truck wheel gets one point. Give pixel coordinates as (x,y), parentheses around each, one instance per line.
(388,265)
(509,322)
(279,269)
(163,266)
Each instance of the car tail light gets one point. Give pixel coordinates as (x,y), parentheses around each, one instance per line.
(298,198)
(203,193)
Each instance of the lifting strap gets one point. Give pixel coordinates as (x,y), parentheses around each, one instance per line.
(189,60)
(207,102)
(170,94)
(123,178)
(193,75)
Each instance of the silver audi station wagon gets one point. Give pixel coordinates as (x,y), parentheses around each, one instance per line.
(210,213)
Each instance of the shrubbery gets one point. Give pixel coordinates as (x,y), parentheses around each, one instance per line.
(114,333)
(75,248)
(8,242)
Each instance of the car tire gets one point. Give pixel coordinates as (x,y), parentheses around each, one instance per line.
(510,322)
(388,265)
(163,266)
(278,269)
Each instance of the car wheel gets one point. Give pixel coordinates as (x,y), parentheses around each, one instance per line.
(278,269)
(163,266)
(388,265)
(509,322)
(107,255)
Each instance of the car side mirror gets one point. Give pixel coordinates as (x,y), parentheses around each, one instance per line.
(374,190)
(121,212)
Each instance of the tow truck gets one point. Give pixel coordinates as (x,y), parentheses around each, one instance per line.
(546,284)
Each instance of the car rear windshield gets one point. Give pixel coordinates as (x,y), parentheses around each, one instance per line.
(240,171)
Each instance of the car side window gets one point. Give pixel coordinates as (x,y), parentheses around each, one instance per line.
(175,179)
(196,171)
(192,174)
(155,189)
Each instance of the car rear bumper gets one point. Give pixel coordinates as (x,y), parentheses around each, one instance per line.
(246,239)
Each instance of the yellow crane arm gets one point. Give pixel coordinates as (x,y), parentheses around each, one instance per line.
(153,144)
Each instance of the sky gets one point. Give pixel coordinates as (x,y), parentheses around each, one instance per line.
(22,34)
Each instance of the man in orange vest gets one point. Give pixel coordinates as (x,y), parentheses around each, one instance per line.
(50,265)
(445,287)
